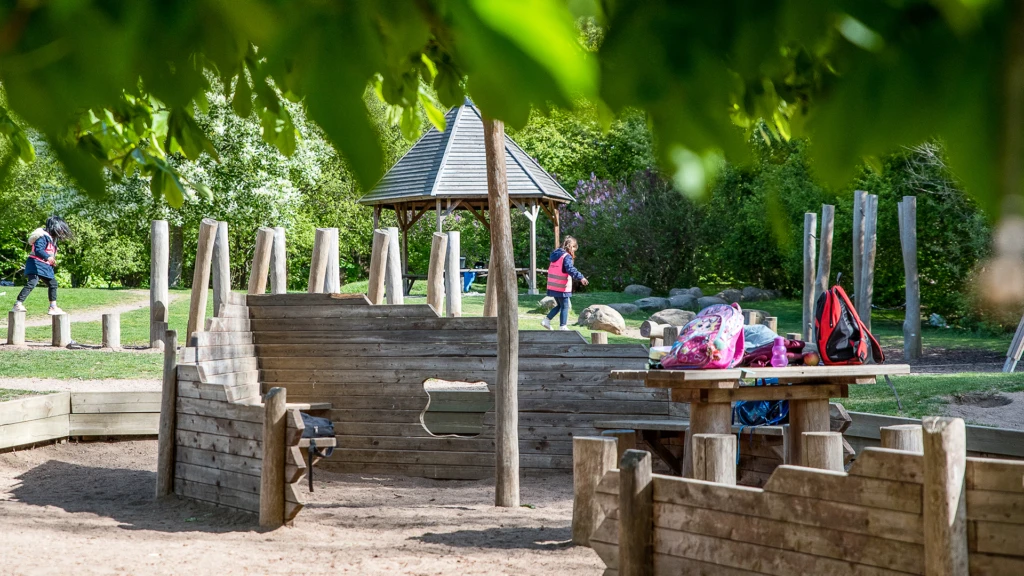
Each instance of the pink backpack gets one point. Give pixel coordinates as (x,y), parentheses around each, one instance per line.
(714,339)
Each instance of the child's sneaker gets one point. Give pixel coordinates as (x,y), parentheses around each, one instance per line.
(566,328)
(545,323)
(55,311)
(19,307)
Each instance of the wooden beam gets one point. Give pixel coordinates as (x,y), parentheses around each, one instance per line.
(479,216)
(332,278)
(435,272)
(945,501)
(159,261)
(912,349)
(61,325)
(318,264)
(828,219)
(111,330)
(393,276)
(201,277)
(16,328)
(867,268)
(453,276)
(636,515)
(859,200)
(591,459)
(378,266)
(823,450)
(260,261)
(221,268)
(714,458)
(810,230)
(168,417)
(279,263)
(906,437)
(272,473)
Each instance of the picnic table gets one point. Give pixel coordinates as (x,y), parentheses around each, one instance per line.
(411,279)
(807,388)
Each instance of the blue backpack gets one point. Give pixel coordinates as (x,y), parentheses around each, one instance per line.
(758,413)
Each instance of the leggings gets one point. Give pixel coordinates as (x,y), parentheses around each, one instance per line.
(51,285)
(561,308)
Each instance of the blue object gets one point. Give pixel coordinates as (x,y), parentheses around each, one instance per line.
(467,280)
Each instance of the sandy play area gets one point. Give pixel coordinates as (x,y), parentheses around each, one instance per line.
(89,509)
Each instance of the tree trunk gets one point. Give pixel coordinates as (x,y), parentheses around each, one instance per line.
(502,273)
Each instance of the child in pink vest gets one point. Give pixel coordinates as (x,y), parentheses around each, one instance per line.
(561,273)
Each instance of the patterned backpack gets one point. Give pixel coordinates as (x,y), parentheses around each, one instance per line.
(714,339)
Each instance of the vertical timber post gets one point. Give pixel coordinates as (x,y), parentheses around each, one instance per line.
(279,263)
(591,459)
(332,280)
(261,261)
(15,328)
(859,200)
(867,267)
(636,514)
(378,267)
(393,278)
(168,406)
(502,273)
(201,278)
(598,337)
(823,450)
(159,263)
(810,228)
(490,296)
(111,330)
(61,325)
(908,240)
(435,273)
(532,215)
(906,437)
(272,472)
(221,268)
(318,264)
(714,458)
(828,220)
(453,276)
(945,499)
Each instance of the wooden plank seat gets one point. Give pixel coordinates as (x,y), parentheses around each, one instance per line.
(320,443)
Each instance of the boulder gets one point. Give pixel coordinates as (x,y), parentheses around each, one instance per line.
(652,304)
(624,308)
(678,292)
(638,290)
(547,303)
(752,294)
(696,292)
(601,317)
(673,317)
(706,301)
(730,295)
(684,302)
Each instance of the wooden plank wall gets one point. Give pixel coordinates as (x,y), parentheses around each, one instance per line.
(35,419)
(808,521)
(370,363)
(981,440)
(38,419)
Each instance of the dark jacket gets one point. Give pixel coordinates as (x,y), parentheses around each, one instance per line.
(44,248)
(567,267)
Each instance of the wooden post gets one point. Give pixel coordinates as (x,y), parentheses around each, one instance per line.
(705,418)
(168,407)
(1016,348)
(159,263)
(503,275)
(201,278)
(772,323)
(453,276)
(61,324)
(318,265)
(591,459)
(906,437)
(823,450)
(15,328)
(867,267)
(828,217)
(810,228)
(378,267)
(272,472)
(669,335)
(714,458)
(908,240)
(598,337)
(945,502)
(279,263)
(624,440)
(490,297)
(859,200)
(435,273)
(111,330)
(261,261)
(805,416)
(636,515)
(332,280)
(221,268)
(531,214)
(793,336)
(393,278)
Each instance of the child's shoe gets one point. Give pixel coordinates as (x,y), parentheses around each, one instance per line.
(55,311)
(18,307)
(566,328)
(545,323)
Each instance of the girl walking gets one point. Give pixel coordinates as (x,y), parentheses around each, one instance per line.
(41,260)
(561,273)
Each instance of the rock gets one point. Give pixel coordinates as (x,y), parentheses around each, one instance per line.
(601,317)
(730,295)
(673,317)
(696,292)
(678,292)
(547,303)
(652,304)
(624,308)
(752,294)
(638,290)
(684,302)
(706,301)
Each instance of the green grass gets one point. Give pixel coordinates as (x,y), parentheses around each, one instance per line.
(11,394)
(926,395)
(70,299)
(83,364)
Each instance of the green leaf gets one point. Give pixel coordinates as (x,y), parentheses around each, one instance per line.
(241,103)
(204,191)
(435,115)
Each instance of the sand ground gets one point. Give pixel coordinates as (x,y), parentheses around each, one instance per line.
(89,509)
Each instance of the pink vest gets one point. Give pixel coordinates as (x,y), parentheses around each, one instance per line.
(558,280)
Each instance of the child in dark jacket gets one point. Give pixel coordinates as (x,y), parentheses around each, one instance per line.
(41,260)
(561,273)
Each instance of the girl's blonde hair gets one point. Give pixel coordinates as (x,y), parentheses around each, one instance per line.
(569,243)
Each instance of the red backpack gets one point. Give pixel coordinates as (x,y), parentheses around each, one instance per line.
(842,337)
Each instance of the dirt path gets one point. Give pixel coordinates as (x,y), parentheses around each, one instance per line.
(89,509)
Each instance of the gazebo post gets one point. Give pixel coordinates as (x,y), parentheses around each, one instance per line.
(558,225)
(376,217)
(440,219)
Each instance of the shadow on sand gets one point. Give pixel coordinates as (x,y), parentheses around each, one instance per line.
(508,538)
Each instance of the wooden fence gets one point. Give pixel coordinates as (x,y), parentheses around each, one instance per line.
(48,417)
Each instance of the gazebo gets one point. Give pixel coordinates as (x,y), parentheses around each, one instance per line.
(447,171)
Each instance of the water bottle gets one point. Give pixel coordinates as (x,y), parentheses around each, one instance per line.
(779,359)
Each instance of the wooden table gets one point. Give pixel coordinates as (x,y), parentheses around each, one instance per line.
(808,389)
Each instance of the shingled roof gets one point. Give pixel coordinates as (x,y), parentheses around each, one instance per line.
(452,164)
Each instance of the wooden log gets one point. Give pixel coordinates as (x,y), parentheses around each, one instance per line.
(625,439)
(111,330)
(318,265)
(490,301)
(859,200)
(823,450)
(503,277)
(168,417)
(810,415)
(261,261)
(908,240)
(705,418)
(201,278)
(61,325)
(332,279)
(794,336)
(591,459)
(378,267)
(279,263)
(906,437)
(752,317)
(598,337)
(669,335)
(636,515)
(650,329)
(810,230)
(867,283)
(945,504)
(714,458)
(159,243)
(272,484)
(393,276)
(15,328)
(221,268)
(828,217)
(435,273)
(453,276)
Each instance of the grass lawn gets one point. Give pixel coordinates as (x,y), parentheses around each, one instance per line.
(70,299)
(82,364)
(8,394)
(925,395)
